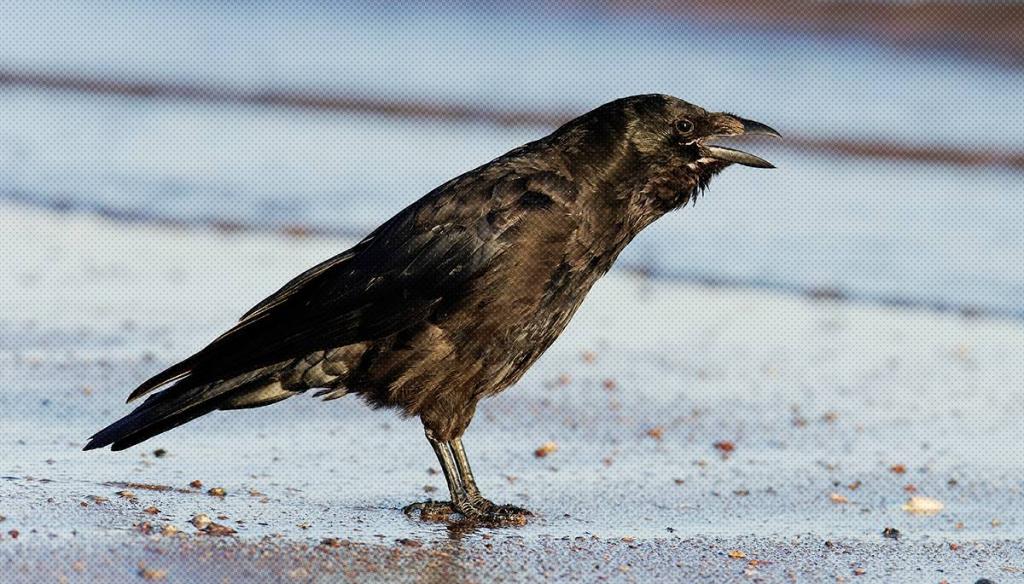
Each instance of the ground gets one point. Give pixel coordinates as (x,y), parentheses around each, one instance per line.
(688,432)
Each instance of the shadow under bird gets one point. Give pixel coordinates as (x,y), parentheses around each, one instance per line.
(456,296)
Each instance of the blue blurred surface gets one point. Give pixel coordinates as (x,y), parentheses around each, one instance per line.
(879,229)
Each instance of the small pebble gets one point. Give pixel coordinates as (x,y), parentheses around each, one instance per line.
(545,449)
(218,529)
(201,521)
(152,574)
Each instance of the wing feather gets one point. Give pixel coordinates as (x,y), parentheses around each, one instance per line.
(391,280)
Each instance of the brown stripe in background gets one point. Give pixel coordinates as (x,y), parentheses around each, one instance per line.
(991,32)
(338,100)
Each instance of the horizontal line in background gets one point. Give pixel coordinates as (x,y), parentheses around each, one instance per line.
(335,100)
(818,294)
(985,31)
(59,204)
(829,294)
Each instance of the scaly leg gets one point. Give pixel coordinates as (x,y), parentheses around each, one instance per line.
(466,498)
(461,502)
(497,514)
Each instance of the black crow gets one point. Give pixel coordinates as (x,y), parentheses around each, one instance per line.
(456,296)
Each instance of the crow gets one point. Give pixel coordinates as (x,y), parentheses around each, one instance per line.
(456,296)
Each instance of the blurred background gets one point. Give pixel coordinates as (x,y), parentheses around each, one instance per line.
(899,181)
(799,353)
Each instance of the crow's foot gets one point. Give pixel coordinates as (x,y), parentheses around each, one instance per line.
(478,511)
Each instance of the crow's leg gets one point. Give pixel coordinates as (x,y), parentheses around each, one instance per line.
(466,474)
(461,502)
(491,513)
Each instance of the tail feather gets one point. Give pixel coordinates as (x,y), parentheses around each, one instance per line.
(173,407)
(173,373)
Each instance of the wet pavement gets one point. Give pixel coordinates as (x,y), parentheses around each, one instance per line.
(699,433)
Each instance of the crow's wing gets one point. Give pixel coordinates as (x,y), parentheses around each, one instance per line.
(389,281)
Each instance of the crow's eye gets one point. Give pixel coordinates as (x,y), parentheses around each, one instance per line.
(684,126)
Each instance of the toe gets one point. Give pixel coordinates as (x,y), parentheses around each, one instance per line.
(508,515)
(431,510)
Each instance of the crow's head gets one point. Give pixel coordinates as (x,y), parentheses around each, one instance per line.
(660,148)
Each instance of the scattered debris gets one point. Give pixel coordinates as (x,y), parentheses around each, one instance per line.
(629,539)
(737,554)
(142,486)
(201,521)
(429,488)
(196,484)
(160,452)
(152,574)
(545,449)
(127,495)
(218,529)
(838,499)
(169,530)
(859,571)
(414,543)
(725,446)
(898,469)
(923,506)
(14,533)
(657,433)
(332,542)
(891,533)
(217,492)
(609,384)
(151,510)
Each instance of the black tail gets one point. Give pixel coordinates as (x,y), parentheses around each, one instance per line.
(172,407)
(144,423)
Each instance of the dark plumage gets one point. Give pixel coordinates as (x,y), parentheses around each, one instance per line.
(456,296)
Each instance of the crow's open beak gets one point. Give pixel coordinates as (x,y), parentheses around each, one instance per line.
(735,126)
